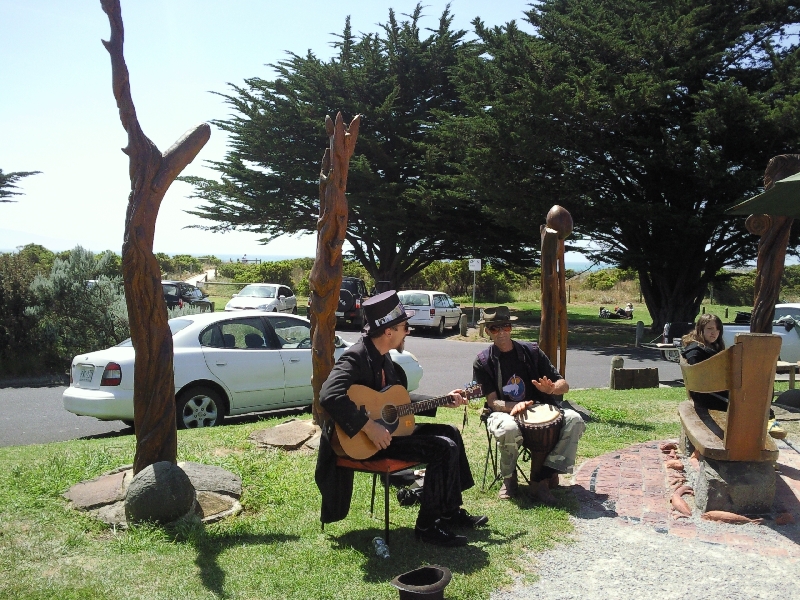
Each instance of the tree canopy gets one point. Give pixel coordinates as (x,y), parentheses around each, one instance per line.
(645,119)
(8,185)
(402,214)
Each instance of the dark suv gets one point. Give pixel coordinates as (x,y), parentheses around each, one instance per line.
(179,293)
(351,296)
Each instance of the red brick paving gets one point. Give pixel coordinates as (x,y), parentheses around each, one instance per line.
(633,485)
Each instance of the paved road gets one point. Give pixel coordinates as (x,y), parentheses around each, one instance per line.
(36,415)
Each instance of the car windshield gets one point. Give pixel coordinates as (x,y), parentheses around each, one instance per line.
(415,299)
(258,291)
(175,325)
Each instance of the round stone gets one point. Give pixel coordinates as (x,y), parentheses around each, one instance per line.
(161,492)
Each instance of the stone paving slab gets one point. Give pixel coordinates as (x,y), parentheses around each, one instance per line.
(633,485)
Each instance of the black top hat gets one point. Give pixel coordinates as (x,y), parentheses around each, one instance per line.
(425,582)
(497,315)
(383,311)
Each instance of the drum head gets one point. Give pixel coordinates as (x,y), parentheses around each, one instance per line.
(540,414)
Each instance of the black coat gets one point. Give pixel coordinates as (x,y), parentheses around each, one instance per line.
(360,364)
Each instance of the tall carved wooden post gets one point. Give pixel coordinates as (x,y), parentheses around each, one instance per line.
(151,174)
(325,279)
(553,329)
(774,232)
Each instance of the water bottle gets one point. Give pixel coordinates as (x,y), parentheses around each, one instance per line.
(380,547)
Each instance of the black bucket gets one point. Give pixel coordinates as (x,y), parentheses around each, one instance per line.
(425,583)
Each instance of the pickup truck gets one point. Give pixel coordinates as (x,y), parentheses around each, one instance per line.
(786,324)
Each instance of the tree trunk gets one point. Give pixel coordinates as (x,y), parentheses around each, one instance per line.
(673,296)
(151,174)
(774,232)
(325,279)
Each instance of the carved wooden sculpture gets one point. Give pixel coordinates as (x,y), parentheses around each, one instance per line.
(151,174)
(774,232)
(325,279)
(553,329)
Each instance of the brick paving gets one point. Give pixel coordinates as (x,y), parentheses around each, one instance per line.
(633,486)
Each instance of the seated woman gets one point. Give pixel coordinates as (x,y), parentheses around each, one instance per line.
(701,344)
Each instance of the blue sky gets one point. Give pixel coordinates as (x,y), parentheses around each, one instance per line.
(58,116)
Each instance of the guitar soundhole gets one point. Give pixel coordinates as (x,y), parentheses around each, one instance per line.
(389,414)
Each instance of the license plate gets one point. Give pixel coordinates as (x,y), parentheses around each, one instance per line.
(339,314)
(85,373)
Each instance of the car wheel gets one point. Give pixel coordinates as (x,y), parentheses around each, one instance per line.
(457,326)
(440,328)
(294,310)
(199,407)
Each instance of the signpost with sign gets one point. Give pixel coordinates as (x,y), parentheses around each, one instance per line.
(474,266)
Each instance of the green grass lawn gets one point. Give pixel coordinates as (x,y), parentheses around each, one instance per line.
(275,548)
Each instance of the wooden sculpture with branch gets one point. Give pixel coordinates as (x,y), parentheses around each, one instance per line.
(553,330)
(772,245)
(151,174)
(325,278)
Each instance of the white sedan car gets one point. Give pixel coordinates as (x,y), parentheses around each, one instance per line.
(268,297)
(225,364)
(434,310)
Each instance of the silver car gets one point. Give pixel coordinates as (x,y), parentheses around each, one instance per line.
(268,297)
(433,310)
(225,364)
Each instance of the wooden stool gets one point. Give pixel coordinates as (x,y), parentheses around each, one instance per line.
(384,466)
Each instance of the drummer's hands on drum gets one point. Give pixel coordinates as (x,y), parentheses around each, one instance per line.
(544,385)
(457,399)
(521,407)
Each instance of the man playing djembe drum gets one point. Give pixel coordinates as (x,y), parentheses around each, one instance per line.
(515,376)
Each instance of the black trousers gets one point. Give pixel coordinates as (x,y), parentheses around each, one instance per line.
(447,472)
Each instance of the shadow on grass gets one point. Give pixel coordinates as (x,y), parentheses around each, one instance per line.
(209,547)
(407,553)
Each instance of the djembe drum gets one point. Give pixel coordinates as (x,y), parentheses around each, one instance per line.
(540,426)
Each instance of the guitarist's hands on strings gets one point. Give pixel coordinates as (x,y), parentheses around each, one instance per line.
(380,436)
(377,434)
(457,399)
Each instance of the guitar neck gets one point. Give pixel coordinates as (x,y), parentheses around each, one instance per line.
(423,405)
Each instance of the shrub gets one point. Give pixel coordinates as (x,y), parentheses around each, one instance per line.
(605,279)
(21,350)
(73,317)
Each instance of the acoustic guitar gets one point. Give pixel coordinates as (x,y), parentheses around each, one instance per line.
(393,409)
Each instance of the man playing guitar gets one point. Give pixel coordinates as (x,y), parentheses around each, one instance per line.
(440,447)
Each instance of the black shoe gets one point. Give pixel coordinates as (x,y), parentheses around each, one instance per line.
(463,519)
(439,536)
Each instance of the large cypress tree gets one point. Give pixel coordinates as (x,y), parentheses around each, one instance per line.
(8,184)
(401,215)
(645,119)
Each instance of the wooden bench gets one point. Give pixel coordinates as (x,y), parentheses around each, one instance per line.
(747,371)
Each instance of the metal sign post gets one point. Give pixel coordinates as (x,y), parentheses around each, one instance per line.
(474,266)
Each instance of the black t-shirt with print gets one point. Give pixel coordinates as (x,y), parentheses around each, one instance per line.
(516,378)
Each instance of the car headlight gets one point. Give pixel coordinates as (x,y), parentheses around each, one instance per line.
(228,305)
(263,307)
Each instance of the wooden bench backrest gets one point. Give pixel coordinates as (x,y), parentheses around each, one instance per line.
(747,371)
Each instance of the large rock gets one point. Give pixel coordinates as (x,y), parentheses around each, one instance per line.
(210,478)
(161,492)
(737,487)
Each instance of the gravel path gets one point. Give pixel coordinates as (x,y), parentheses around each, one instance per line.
(614,559)
(609,560)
